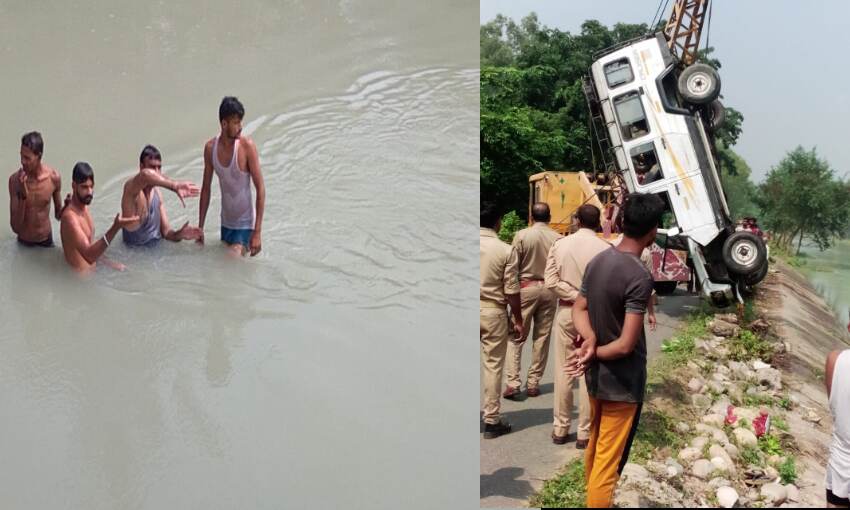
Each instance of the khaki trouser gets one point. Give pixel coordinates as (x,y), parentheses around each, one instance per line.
(494,343)
(565,334)
(613,427)
(538,306)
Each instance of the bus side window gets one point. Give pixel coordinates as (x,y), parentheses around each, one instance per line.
(633,123)
(618,72)
(646,164)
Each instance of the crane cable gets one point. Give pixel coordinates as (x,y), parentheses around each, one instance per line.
(658,11)
(708,28)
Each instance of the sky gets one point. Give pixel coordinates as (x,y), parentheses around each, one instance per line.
(783,66)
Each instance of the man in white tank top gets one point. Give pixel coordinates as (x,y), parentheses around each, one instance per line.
(838,391)
(234,159)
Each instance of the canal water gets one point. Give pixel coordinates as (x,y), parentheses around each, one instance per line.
(330,370)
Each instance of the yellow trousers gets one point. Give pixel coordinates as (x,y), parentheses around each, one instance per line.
(612,430)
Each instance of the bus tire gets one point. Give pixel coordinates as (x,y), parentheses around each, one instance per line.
(744,253)
(699,84)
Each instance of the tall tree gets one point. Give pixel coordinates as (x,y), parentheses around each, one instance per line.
(802,197)
(533,111)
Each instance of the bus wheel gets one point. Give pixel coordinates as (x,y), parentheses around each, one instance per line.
(744,253)
(699,84)
(716,115)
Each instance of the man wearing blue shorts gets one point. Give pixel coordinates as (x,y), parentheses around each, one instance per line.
(234,159)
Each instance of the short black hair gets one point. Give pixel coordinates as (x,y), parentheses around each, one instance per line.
(33,142)
(489,215)
(149,152)
(540,212)
(641,214)
(83,172)
(588,216)
(230,106)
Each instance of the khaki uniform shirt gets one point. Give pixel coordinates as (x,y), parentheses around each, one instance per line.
(568,260)
(498,268)
(532,246)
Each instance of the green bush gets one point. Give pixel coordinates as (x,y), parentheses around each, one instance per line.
(751,455)
(770,444)
(511,224)
(747,345)
(788,471)
(567,490)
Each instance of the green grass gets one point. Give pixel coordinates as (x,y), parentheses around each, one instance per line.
(788,471)
(790,257)
(796,261)
(785,402)
(770,445)
(566,490)
(655,430)
(747,346)
(680,348)
(749,310)
(779,423)
(757,400)
(752,455)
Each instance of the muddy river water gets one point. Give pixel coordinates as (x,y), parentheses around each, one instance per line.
(324,371)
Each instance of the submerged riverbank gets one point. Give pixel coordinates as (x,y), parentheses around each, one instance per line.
(697,444)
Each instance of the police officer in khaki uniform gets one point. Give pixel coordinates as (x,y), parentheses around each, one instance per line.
(531,246)
(565,266)
(499,288)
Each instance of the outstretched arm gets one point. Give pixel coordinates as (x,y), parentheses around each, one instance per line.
(74,239)
(185,232)
(149,177)
(205,189)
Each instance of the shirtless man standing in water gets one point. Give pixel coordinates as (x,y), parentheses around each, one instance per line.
(77,227)
(30,190)
(235,160)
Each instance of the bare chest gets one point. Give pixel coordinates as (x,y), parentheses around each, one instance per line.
(39,192)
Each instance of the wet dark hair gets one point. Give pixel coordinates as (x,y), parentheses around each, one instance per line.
(82,173)
(588,216)
(540,212)
(230,106)
(489,215)
(641,214)
(33,142)
(149,152)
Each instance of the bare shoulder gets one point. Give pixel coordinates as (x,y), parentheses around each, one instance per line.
(208,147)
(54,175)
(70,219)
(248,143)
